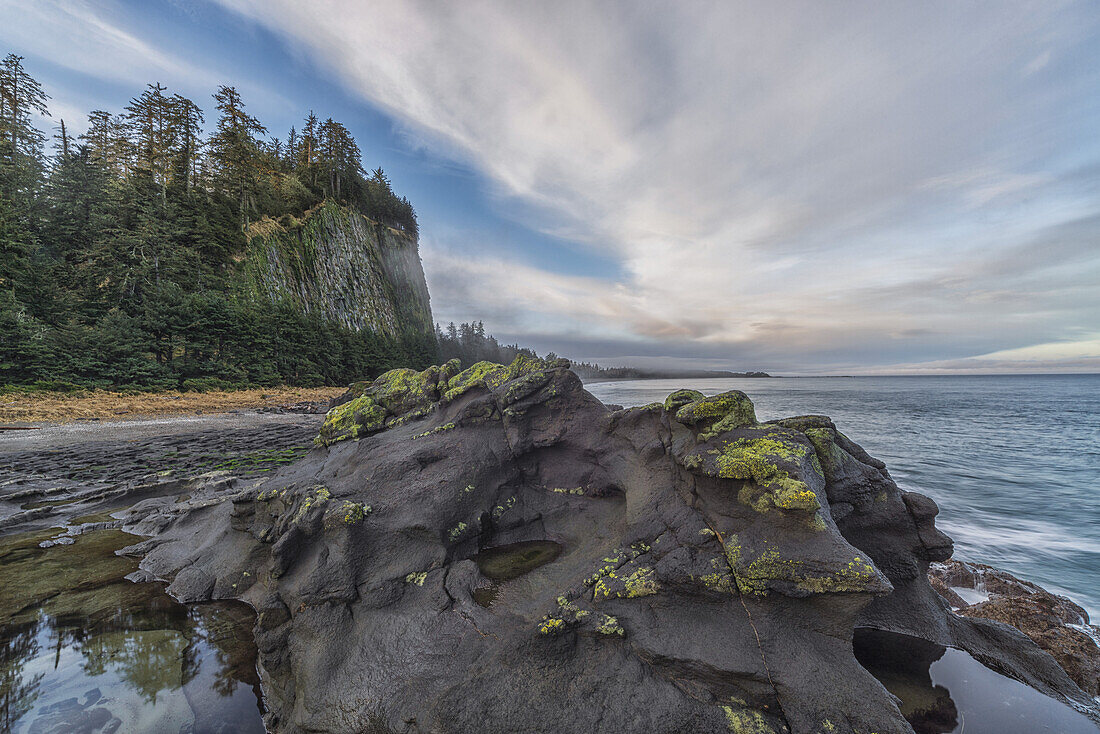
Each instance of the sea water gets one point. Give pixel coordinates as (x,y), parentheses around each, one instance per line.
(1012,461)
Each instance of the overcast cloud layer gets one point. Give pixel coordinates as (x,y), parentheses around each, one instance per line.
(797,187)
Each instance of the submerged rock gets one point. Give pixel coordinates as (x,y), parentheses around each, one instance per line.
(712,569)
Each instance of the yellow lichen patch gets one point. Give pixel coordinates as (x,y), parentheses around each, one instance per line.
(568,613)
(563,490)
(829,455)
(856,576)
(502,508)
(791,494)
(608,625)
(522,365)
(404,389)
(720,579)
(640,583)
(680,398)
(437,429)
(353,512)
(754,459)
(600,573)
(316,496)
(457,531)
(551,626)
(416,578)
(747,721)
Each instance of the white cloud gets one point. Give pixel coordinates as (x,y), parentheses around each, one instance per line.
(84,38)
(96,39)
(814,181)
(1070,356)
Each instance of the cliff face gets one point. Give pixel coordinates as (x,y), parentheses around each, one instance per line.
(349,269)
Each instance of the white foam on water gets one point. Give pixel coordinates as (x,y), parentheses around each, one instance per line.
(970,596)
(1093,633)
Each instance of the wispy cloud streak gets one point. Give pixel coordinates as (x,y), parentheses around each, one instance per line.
(791,184)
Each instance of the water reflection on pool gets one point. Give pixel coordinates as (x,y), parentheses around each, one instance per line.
(83,650)
(946,691)
(504,563)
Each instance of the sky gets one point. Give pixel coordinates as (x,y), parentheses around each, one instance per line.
(795,187)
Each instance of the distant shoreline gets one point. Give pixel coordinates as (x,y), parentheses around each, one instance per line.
(617,374)
(734,375)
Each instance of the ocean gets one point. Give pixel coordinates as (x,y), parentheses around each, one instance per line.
(1013,461)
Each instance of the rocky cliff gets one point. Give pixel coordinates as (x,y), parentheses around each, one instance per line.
(494,550)
(344,266)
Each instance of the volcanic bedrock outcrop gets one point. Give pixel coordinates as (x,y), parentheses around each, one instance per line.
(708,575)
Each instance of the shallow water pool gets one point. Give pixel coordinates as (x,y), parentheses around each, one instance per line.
(946,691)
(84,650)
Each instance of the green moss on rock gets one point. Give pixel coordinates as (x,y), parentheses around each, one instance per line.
(471,377)
(355,419)
(680,398)
(718,413)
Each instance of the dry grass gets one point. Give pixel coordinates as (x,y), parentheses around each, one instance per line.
(52,407)
(265,227)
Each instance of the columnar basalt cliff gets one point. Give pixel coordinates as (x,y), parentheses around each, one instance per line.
(338,263)
(712,568)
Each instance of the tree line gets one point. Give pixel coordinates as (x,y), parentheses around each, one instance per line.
(119,248)
(469,343)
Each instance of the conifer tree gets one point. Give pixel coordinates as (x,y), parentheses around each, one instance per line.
(20,97)
(149,119)
(234,147)
(186,122)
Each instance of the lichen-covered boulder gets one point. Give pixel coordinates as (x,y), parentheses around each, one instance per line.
(717,413)
(708,570)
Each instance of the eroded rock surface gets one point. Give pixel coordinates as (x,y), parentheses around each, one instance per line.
(712,568)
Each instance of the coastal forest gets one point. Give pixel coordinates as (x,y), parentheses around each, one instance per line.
(121,248)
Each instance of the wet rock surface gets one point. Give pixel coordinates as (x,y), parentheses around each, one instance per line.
(708,571)
(1053,622)
(942,689)
(68,471)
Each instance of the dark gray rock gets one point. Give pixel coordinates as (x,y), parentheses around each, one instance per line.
(712,568)
(192,584)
